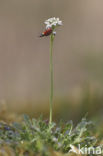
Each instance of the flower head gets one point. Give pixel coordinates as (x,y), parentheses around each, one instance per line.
(53,23)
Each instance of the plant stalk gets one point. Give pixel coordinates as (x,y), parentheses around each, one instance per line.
(51,77)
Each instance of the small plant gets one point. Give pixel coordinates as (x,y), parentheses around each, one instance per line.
(33,136)
(39,137)
(51,25)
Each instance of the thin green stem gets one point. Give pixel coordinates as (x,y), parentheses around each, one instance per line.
(51,76)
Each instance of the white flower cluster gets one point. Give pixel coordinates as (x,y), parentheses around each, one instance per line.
(53,23)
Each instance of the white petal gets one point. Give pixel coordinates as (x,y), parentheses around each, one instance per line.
(48,26)
(57,19)
(53,18)
(46,22)
(59,22)
(54,32)
(54,23)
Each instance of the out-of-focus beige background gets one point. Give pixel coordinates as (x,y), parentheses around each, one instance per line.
(24,57)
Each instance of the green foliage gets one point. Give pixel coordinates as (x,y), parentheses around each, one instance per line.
(38,136)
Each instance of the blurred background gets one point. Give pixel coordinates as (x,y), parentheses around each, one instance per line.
(77,56)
